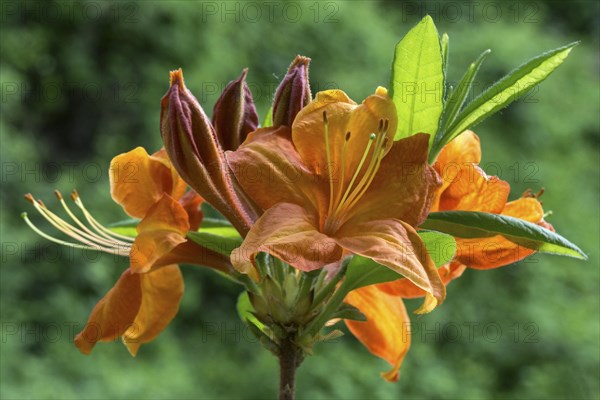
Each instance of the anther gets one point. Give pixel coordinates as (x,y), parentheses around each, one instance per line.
(58,195)
(380,125)
(347,136)
(74,195)
(325,117)
(29,198)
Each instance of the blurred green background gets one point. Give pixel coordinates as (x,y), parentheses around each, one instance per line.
(82,82)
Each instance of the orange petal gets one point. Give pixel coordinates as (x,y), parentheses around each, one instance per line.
(270,171)
(163,228)
(113,314)
(162,290)
(138,180)
(472,190)
(386,333)
(343,116)
(408,290)
(192,203)
(463,151)
(396,245)
(465,148)
(404,185)
(497,251)
(288,232)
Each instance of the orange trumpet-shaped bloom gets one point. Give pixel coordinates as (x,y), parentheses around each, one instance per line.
(466,187)
(337,183)
(146,297)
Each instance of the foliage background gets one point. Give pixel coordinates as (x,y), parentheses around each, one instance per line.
(81,82)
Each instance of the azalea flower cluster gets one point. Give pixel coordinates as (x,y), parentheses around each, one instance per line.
(327,211)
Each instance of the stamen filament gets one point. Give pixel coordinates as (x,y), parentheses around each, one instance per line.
(329,173)
(73,232)
(97,225)
(69,244)
(103,237)
(356,173)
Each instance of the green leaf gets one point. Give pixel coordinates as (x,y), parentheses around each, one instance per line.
(440,246)
(348,311)
(126,227)
(220,240)
(417,81)
(363,271)
(246,311)
(268,118)
(466,224)
(445,46)
(506,90)
(459,95)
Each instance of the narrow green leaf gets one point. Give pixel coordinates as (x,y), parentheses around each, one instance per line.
(440,246)
(465,224)
(363,271)
(348,311)
(507,89)
(417,81)
(459,95)
(126,227)
(220,244)
(445,47)
(268,121)
(246,311)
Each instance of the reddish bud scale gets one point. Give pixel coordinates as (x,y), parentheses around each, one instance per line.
(293,93)
(234,115)
(191,143)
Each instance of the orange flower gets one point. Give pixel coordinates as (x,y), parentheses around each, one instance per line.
(146,297)
(337,183)
(466,187)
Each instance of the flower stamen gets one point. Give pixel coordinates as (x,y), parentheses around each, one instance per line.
(88,240)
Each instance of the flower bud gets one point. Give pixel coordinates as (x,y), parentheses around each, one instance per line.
(191,143)
(234,115)
(293,93)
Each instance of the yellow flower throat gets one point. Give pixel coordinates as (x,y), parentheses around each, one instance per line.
(343,198)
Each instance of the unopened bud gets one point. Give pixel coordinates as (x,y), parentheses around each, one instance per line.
(293,93)
(191,143)
(234,115)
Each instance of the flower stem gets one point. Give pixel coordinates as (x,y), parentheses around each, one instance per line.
(289,360)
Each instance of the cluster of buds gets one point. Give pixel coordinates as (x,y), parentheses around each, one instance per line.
(196,145)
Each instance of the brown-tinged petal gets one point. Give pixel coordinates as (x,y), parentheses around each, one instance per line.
(138,180)
(497,251)
(404,185)
(289,233)
(192,203)
(270,171)
(386,333)
(293,93)
(190,141)
(113,314)
(192,253)
(161,292)
(234,115)
(164,227)
(396,245)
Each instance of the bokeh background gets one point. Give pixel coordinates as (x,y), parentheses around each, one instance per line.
(82,82)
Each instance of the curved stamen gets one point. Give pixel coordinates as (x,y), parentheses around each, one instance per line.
(92,221)
(87,239)
(376,147)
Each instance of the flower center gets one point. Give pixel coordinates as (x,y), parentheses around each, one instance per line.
(343,198)
(91,237)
